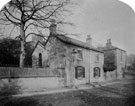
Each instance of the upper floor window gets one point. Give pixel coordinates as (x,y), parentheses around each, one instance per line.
(97,58)
(80,55)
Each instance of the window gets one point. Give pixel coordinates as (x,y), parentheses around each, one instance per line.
(80,55)
(96,72)
(97,58)
(40,60)
(79,72)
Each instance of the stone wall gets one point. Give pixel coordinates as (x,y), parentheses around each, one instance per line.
(10,72)
(30,79)
(111,75)
(33,84)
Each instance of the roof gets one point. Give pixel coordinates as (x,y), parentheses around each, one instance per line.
(111,48)
(75,42)
(70,41)
(38,42)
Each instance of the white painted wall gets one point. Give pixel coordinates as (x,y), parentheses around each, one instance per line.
(99,64)
(120,63)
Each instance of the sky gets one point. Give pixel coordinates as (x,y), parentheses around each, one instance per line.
(103,19)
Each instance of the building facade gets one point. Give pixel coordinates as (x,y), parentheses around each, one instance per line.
(75,61)
(119,58)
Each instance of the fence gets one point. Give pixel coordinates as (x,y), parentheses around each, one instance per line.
(10,72)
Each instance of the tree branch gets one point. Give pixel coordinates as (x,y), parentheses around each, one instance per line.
(12,15)
(15,23)
(35,25)
(49,15)
(35,34)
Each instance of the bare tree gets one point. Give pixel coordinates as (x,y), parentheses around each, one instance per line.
(27,14)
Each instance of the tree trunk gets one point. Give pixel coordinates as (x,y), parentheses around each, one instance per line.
(22,55)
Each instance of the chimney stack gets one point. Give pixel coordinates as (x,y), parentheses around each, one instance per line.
(53,27)
(109,44)
(89,40)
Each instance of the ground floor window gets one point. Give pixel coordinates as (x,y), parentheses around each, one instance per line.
(96,72)
(79,72)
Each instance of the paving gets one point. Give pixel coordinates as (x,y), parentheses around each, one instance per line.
(110,93)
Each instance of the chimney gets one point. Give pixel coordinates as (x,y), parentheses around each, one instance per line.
(89,40)
(53,27)
(109,44)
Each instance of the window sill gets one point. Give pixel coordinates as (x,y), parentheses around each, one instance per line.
(81,78)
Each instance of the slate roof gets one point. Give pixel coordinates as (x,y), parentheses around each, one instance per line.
(75,42)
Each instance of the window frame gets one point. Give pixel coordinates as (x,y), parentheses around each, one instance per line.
(79,54)
(96,73)
(78,70)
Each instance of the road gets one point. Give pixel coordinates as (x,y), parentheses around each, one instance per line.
(116,94)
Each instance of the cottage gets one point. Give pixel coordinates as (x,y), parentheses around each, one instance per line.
(119,57)
(76,62)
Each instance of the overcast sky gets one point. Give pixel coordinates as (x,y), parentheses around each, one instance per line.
(105,19)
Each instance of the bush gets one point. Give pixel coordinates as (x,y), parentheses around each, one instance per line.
(109,67)
(109,61)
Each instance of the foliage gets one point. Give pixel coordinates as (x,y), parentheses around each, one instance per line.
(10,53)
(109,61)
(133,65)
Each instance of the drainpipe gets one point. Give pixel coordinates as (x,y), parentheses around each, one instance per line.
(89,66)
(73,53)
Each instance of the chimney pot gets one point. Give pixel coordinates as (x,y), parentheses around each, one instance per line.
(53,27)
(109,44)
(89,40)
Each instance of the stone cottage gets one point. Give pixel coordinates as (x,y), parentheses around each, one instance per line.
(120,58)
(76,62)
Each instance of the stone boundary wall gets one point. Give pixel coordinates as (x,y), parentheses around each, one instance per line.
(10,72)
(29,79)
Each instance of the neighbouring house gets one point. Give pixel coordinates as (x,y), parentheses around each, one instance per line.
(75,61)
(130,62)
(119,58)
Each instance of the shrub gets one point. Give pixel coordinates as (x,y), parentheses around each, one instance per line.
(109,61)
(109,67)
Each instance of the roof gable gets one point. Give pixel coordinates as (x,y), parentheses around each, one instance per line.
(68,40)
(111,48)
(38,43)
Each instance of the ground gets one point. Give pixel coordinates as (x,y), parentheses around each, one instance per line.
(115,94)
